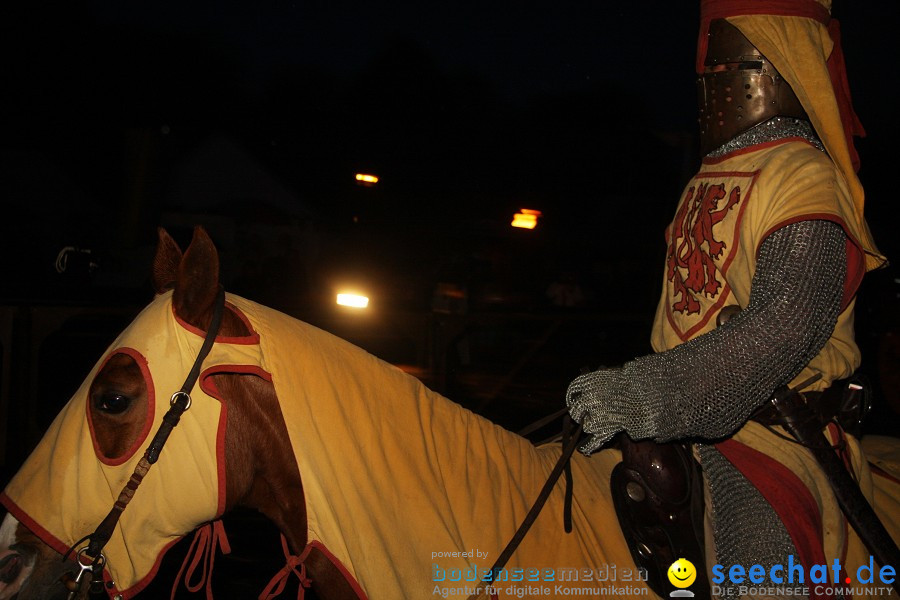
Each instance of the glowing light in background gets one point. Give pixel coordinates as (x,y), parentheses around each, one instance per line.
(352,300)
(526,218)
(366,179)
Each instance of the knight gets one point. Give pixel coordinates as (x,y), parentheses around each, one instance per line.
(764,258)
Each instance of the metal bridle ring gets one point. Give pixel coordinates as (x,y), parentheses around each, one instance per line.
(99,560)
(178,394)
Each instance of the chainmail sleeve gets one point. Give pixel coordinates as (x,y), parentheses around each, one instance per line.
(708,387)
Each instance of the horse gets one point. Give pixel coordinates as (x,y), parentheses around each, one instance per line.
(380,487)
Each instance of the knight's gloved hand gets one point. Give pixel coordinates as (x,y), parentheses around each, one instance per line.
(594,401)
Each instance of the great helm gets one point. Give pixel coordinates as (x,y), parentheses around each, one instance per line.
(739,88)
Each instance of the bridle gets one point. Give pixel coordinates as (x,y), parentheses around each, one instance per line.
(570,439)
(179,402)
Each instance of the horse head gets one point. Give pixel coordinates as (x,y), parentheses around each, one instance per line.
(400,486)
(79,469)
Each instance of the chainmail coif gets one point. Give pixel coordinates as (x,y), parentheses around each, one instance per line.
(708,387)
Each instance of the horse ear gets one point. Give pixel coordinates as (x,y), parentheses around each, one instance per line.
(165,264)
(197,282)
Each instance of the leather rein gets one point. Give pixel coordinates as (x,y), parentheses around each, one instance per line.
(571,435)
(179,402)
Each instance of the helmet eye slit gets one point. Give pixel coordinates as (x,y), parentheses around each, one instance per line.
(746,65)
(739,88)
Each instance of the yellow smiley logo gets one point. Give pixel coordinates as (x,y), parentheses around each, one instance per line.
(682,573)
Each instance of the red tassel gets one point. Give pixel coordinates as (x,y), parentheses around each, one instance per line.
(279,581)
(202,553)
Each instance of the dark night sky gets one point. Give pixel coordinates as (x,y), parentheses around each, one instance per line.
(119,116)
(468,110)
(584,110)
(521,49)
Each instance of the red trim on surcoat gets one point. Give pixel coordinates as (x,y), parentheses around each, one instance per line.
(856,258)
(876,470)
(732,253)
(789,497)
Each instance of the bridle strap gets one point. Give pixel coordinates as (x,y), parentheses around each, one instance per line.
(180,402)
(571,437)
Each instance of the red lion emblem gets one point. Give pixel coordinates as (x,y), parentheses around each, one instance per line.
(693,246)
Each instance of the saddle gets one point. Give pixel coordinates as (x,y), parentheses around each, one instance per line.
(657,490)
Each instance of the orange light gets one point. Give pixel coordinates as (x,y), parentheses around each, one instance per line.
(526,219)
(352,300)
(366,178)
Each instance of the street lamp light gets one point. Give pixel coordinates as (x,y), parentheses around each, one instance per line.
(366,179)
(352,300)
(526,218)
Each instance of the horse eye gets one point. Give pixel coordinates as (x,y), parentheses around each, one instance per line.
(10,567)
(113,404)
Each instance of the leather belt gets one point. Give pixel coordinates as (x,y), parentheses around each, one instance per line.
(801,422)
(846,401)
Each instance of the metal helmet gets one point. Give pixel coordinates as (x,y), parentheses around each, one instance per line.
(739,88)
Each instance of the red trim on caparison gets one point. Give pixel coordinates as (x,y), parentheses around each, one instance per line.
(209,387)
(338,564)
(33,526)
(240,369)
(60,547)
(856,258)
(252,338)
(148,578)
(726,289)
(148,418)
(45,536)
